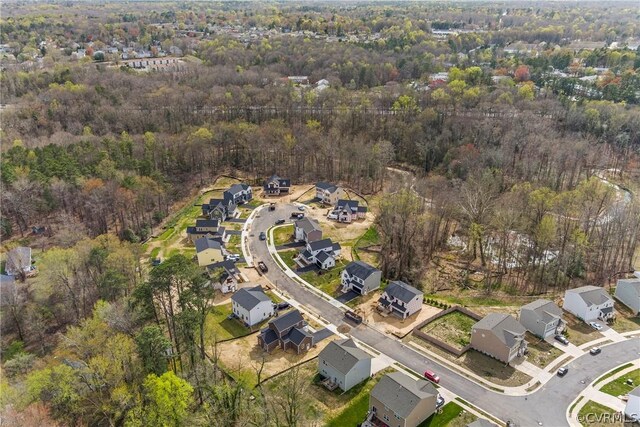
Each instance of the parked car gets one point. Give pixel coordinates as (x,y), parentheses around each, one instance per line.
(562,339)
(272,207)
(262,266)
(439,401)
(431,376)
(301,208)
(595,350)
(156,262)
(263,235)
(233,257)
(563,371)
(297,215)
(595,325)
(280,221)
(353,317)
(283,305)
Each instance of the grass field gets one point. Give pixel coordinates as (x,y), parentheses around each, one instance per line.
(619,386)
(453,328)
(282,235)
(328,281)
(593,409)
(288,256)
(217,325)
(452,415)
(613,372)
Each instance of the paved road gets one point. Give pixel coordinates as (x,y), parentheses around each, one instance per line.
(547,405)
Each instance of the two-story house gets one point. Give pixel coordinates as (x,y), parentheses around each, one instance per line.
(239,193)
(347,211)
(360,277)
(286,331)
(589,303)
(276,186)
(252,305)
(543,318)
(328,194)
(206,228)
(323,253)
(401,299)
(208,251)
(224,276)
(499,336)
(342,363)
(220,209)
(628,293)
(307,230)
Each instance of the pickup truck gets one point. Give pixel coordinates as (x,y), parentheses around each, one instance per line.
(262,266)
(350,315)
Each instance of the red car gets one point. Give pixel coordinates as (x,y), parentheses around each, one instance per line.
(431,376)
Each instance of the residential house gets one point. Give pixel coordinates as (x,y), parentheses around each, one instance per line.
(323,253)
(299,80)
(343,364)
(307,230)
(347,211)
(286,331)
(399,400)
(220,209)
(499,336)
(543,318)
(589,303)
(206,228)
(628,293)
(252,305)
(239,193)
(208,251)
(328,194)
(360,277)
(225,274)
(401,299)
(19,261)
(275,186)
(632,408)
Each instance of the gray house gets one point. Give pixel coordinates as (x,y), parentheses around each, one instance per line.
(344,364)
(275,186)
(399,400)
(239,193)
(360,277)
(307,230)
(499,336)
(542,318)
(400,299)
(628,293)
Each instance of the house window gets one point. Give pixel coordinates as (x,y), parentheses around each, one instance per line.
(385,417)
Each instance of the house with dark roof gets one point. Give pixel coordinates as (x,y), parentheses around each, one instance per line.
(589,303)
(327,193)
(206,228)
(543,318)
(499,336)
(226,276)
(286,331)
(401,299)
(220,209)
(252,305)
(322,253)
(343,364)
(208,251)
(307,230)
(239,193)
(360,277)
(275,186)
(399,400)
(628,293)
(19,262)
(347,211)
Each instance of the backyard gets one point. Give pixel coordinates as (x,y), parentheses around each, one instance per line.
(619,386)
(453,328)
(219,327)
(288,256)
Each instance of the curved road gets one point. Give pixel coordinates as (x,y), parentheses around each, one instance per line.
(546,406)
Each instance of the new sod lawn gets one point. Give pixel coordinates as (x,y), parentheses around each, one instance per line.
(619,387)
(449,413)
(282,235)
(593,409)
(328,281)
(218,325)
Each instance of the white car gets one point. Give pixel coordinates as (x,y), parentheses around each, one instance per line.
(233,257)
(595,325)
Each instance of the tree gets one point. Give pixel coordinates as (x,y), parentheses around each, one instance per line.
(521,74)
(153,348)
(290,403)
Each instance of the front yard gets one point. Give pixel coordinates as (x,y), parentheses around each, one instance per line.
(541,353)
(328,281)
(619,387)
(288,256)
(593,409)
(453,328)
(452,415)
(283,235)
(579,332)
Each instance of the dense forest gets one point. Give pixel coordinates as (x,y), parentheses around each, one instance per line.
(522,141)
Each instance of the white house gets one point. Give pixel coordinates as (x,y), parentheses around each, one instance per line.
(628,293)
(401,299)
(327,193)
(360,277)
(632,408)
(347,211)
(589,303)
(343,364)
(252,305)
(323,253)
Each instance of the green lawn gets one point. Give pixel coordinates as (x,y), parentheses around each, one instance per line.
(613,372)
(166,234)
(451,414)
(233,245)
(282,235)
(370,237)
(328,281)
(288,256)
(453,328)
(592,408)
(273,297)
(618,386)
(155,252)
(218,326)
(354,414)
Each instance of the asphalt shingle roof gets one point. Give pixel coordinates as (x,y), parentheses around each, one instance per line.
(322,256)
(308,225)
(631,283)
(401,393)
(213,223)
(321,244)
(204,243)
(503,326)
(343,355)
(297,335)
(544,309)
(592,295)
(285,321)
(360,269)
(248,298)
(402,291)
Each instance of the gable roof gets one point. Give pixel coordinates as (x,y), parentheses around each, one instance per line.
(213,223)
(401,393)
(204,243)
(591,295)
(323,256)
(348,204)
(402,291)
(282,182)
(297,335)
(285,321)
(331,188)
(343,355)
(320,244)
(248,298)
(360,269)
(307,225)
(545,310)
(631,284)
(268,335)
(228,265)
(503,326)
(238,188)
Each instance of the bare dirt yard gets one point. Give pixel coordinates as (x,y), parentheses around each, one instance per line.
(453,328)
